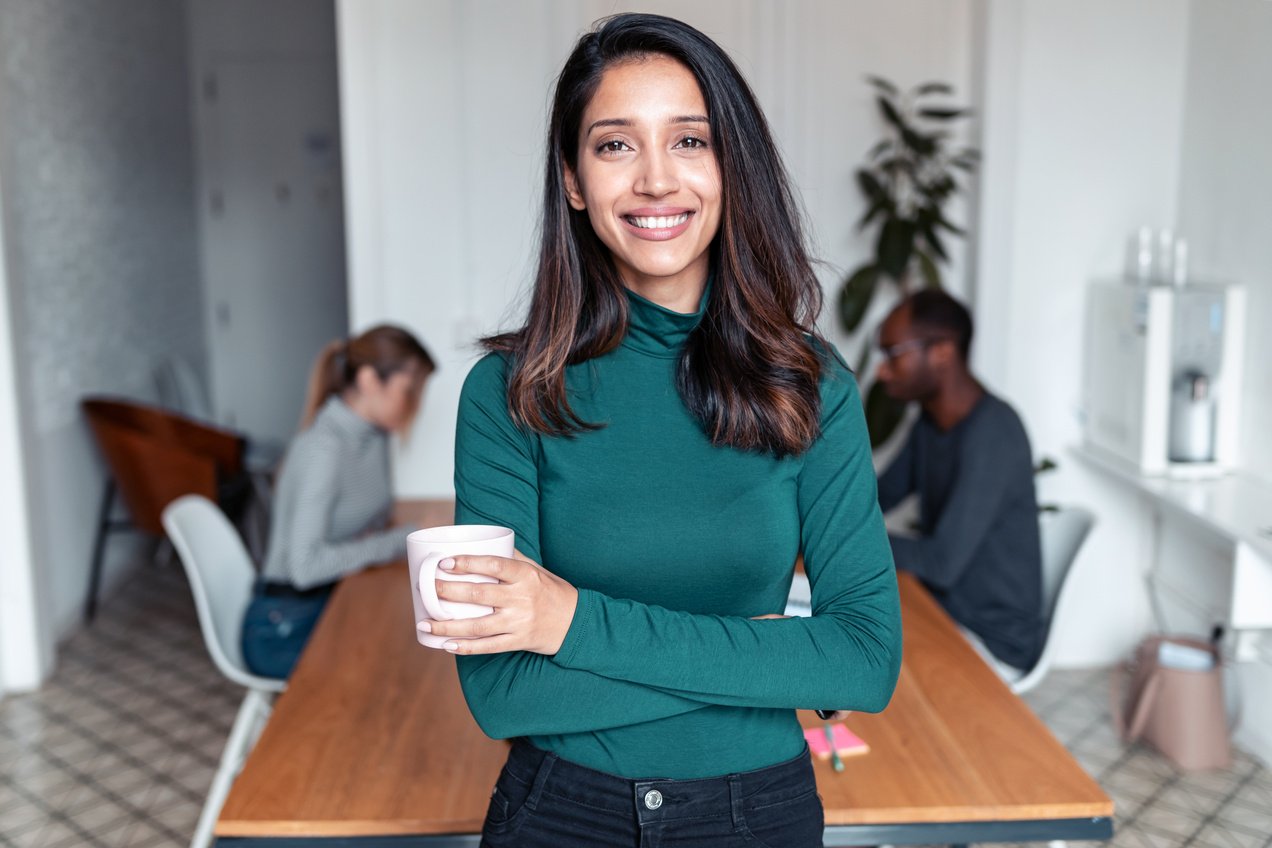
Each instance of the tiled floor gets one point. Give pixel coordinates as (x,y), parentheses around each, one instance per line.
(119,748)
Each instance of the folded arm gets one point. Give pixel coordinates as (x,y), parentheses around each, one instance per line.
(846,655)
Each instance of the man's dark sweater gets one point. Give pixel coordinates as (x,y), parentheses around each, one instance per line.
(978,549)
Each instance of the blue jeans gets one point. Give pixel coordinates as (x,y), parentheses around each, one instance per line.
(277,625)
(542,801)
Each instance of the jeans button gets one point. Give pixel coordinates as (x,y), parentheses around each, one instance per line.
(653,799)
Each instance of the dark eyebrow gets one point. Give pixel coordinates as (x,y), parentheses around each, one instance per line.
(609,122)
(625,122)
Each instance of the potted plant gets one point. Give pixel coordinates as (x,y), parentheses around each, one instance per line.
(909,177)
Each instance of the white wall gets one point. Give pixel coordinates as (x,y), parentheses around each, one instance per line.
(1082,145)
(1223,210)
(444,108)
(1226,181)
(263,82)
(100,241)
(25,658)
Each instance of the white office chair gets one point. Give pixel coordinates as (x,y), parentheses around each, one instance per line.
(221,577)
(1063,532)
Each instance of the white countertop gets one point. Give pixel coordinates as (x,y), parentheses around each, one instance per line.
(1236,506)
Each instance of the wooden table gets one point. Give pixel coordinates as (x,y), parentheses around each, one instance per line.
(372,744)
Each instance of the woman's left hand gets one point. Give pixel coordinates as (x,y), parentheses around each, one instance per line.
(833,715)
(533,607)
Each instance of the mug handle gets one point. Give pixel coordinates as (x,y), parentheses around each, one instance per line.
(428,588)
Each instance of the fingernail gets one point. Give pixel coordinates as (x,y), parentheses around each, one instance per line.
(423,627)
(451,646)
(447,564)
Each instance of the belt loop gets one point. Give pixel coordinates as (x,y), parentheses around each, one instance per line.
(540,779)
(735,801)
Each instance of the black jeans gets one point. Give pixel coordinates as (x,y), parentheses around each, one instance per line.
(541,801)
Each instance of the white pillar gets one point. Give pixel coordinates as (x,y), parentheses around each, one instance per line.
(26,647)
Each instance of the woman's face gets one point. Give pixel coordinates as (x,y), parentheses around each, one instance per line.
(392,403)
(648,178)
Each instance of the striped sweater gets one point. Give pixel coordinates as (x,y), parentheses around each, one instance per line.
(333,502)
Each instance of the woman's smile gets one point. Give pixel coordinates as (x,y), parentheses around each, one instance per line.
(657,224)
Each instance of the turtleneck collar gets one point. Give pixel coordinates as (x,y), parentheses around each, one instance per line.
(337,414)
(657,330)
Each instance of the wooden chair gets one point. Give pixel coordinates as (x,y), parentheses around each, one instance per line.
(155,457)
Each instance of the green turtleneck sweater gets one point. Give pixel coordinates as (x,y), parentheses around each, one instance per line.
(674,545)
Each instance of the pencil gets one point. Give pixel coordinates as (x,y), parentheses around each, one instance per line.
(837,763)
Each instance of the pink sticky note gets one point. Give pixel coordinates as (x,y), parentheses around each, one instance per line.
(847,743)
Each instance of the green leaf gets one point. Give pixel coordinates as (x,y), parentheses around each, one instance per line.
(966,164)
(892,115)
(934,241)
(953,228)
(883,85)
(944,114)
(928,270)
(879,148)
(919,143)
(863,360)
(1044,465)
(871,214)
(871,187)
(897,163)
(855,296)
(883,414)
(934,88)
(970,153)
(938,190)
(896,244)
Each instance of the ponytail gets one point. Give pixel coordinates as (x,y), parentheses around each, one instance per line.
(385,348)
(326,379)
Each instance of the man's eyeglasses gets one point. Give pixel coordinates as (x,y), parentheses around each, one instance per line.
(893,352)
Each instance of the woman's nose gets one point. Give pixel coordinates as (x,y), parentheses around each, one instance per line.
(657,176)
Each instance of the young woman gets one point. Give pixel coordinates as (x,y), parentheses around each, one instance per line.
(333,499)
(665,435)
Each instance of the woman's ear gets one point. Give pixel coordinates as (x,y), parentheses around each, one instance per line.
(366,380)
(572,192)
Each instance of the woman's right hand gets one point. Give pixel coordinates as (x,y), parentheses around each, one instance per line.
(533,608)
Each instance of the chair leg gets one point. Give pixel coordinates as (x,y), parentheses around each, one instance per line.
(99,549)
(164,556)
(252,714)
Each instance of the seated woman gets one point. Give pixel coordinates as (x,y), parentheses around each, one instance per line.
(333,500)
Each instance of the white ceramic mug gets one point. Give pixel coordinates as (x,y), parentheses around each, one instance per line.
(425,548)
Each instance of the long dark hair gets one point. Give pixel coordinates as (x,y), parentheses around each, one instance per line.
(386,348)
(749,372)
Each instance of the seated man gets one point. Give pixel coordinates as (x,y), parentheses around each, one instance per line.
(969,460)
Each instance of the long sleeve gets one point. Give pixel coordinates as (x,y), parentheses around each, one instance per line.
(313,557)
(520,693)
(846,655)
(898,480)
(941,558)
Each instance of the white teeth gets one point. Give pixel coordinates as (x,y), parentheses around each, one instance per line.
(659,223)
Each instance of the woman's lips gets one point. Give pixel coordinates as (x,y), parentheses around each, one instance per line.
(657,227)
